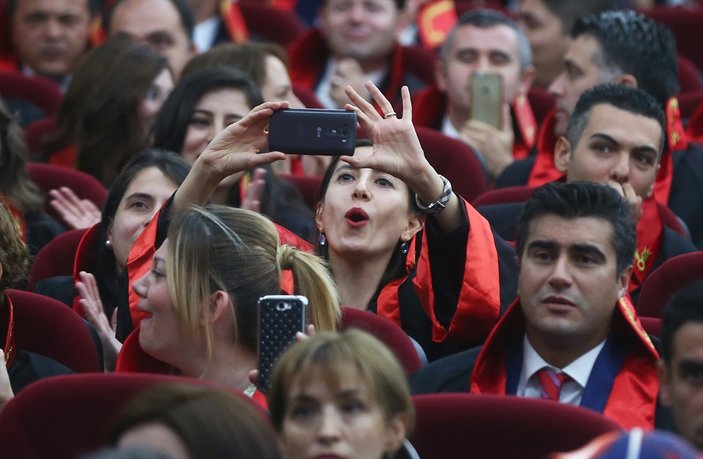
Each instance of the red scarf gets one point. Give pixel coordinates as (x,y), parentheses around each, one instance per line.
(479,299)
(650,232)
(232,18)
(632,400)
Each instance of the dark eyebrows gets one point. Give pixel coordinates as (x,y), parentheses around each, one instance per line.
(542,244)
(589,249)
(689,365)
(640,148)
(139,195)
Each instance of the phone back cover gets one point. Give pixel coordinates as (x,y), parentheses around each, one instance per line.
(313,132)
(277,330)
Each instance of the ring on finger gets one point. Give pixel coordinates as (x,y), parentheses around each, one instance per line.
(389,114)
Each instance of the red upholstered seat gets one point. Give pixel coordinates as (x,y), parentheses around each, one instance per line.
(49,177)
(419,61)
(652,325)
(685,23)
(307,185)
(271,24)
(689,75)
(666,280)
(65,416)
(36,90)
(387,332)
(56,258)
(504,196)
(541,102)
(455,160)
(48,327)
(452,426)
(36,132)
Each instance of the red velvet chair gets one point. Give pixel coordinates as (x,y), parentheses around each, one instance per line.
(387,332)
(49,177)
(652,325)
(541,102)
(66,416)
(452,426)
(689,75)
(685,23)
(35,133)
(455,160)
(689,101)
(271,24)
(666,280)
(36,90)
(47,327)
(56,258)
(504,196)
(307,185)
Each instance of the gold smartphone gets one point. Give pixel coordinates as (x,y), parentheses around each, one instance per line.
(487,98)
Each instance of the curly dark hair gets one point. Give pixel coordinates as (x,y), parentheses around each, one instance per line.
(14,256)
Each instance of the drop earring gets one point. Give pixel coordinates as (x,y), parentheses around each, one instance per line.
(404,247)
(323,240)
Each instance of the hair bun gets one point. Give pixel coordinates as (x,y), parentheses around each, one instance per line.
(285,255)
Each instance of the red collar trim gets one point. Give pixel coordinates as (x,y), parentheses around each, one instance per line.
(9,319)
(231,15)
(544,170)
(650,231)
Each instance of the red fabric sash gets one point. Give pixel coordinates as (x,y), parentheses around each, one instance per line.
(478,307)
(7,322)
(544,170)
(650,232)
(632,400)
(231,15)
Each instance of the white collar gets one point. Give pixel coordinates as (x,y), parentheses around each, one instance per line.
(204,33)
(579,370)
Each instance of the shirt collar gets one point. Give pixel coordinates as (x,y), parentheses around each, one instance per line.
(579,370)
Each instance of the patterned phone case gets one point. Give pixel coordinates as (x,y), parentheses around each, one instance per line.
(280,318)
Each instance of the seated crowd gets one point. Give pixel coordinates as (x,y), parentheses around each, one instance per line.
(529,290)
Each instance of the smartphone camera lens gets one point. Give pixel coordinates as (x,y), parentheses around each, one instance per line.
(283,306)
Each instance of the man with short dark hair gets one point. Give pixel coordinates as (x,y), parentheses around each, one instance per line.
(627,48)
(681,367)
(616,137)
(50,36)
(166,25)
(572,335)
(483,40)
(355,42)
(548,24)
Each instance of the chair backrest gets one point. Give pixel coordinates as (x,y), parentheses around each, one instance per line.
(48,327)
(652,325)
(541,102)
(56,258)
(455,160)
(307,185)
(50,177)
(491,426)
(35,134)
(40,92)
(387,332)
(504,196)
(666,280)
(271,24)
(685,23)
(65,416)
(689,75)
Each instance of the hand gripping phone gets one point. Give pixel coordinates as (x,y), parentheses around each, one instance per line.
(312,131)
(487,98)
(280,318)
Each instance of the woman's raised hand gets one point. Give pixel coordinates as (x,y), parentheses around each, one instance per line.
(396,148)
(239,146)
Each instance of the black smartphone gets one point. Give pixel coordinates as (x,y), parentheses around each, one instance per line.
(312,131)
(487,98)
(280,318)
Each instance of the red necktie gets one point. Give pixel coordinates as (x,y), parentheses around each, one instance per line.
(551,383)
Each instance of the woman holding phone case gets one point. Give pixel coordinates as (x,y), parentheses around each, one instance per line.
(402,244)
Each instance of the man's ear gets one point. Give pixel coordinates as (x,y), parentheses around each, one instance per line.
(624,280)
(627,79)
(526,79)
(562,154)
(664,373)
